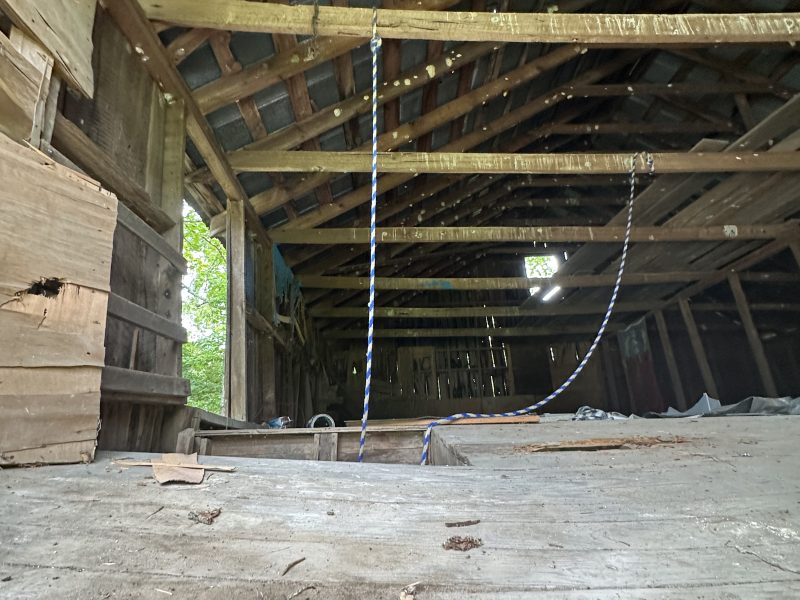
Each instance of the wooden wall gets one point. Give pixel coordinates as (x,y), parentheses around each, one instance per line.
(132,139)
(55,258)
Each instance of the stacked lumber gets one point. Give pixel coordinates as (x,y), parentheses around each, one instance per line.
(56,232)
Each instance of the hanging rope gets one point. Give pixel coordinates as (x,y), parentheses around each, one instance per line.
(529,409)
(374,44)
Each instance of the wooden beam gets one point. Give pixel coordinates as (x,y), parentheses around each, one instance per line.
(220,46)
(236,345)
(756,347)
(455,312)
(426,235)
(140,386)
(182,46)
(493,283)
(623,128)
(260,322)
(130,312)
(669,356)
(77,146)
(675,89)
(697,347)
(550,28)
(495,332)
(540,164)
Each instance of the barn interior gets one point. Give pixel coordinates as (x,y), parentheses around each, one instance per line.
(546,218)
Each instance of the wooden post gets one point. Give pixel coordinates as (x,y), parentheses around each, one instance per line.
(697,347)
(672,366)
(236,346)
(756,347)
(265,290)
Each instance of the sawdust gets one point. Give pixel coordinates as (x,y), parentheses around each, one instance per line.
(462,543)
(623,443)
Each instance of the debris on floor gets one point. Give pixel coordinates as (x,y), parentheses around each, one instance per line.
(300,591)
(176,467)
(292,565)
(206,517)
(463,523)
(462,543)
(636,441)
(410,591)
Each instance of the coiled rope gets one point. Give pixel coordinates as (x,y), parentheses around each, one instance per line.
(529,409)
(374,45)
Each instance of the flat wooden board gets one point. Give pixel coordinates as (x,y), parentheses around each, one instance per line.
(715,518)
(424,421)
(64,27)
(56,226)
(19,89)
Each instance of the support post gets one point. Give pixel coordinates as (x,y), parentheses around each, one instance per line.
(697,347)
(672,366)
(236,345)
(756,347)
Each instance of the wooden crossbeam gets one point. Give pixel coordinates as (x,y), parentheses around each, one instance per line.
(495,332)
(639,128)
(427,235)
(540,164)
(551,28)
(675,89)
(523,283)
(454,312)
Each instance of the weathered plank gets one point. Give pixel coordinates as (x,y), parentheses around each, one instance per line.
(493,283)
(425,235)
(57,230)
(548,28)
(132,313)
(64,27)
(539,164)
(140,386)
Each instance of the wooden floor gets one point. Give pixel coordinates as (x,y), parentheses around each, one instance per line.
(717,516)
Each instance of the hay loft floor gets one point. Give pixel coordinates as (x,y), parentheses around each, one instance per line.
(716,516)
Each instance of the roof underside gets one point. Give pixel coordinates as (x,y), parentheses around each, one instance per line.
(727,90)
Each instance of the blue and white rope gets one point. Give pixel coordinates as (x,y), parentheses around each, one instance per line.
(529,409)
(374,44)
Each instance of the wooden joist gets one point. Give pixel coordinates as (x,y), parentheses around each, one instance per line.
(454,312)
(494,283)
(539,164)
(550,28)
(428,235)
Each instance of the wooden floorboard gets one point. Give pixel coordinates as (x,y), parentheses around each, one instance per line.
(717,516)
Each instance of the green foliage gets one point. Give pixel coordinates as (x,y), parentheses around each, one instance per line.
(540,266)
(204,298)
